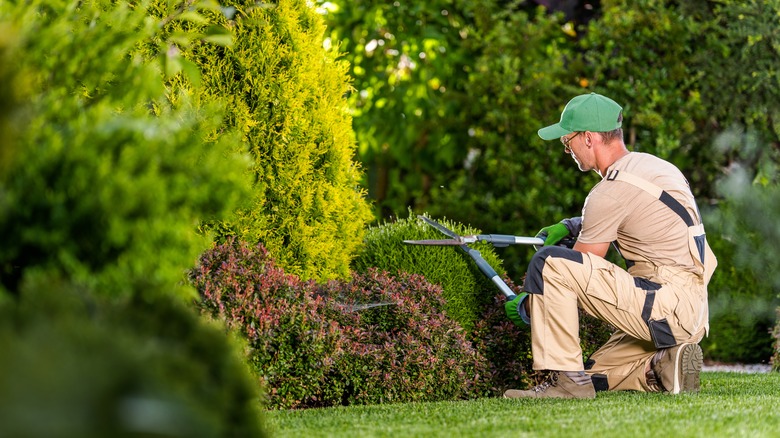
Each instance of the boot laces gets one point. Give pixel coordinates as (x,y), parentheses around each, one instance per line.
(552,380)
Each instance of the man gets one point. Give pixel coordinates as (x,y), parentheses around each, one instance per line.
(643,205)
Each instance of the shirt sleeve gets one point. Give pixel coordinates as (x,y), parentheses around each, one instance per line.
(601,217)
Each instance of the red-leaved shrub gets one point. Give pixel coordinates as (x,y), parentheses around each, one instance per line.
(373,339)
(402,345)
(293,345)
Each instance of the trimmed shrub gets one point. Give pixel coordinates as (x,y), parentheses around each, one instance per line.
(285,95)
(466,290)
(373,339)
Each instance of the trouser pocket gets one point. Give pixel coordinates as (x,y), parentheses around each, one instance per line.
(661,333)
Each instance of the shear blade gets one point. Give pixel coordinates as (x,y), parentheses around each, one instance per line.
(439,227)
(434,242)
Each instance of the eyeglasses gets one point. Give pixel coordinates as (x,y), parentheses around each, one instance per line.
(566,142)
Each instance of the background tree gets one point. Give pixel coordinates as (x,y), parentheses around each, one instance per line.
(442,108)
(409,65)
(285,94)
(510,181)
(685,72)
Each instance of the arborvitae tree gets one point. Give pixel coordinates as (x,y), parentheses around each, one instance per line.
(285,93)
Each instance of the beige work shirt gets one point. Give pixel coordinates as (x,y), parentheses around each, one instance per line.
(646,230)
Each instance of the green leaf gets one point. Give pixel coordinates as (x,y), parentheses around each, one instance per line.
(192,16)
(225,39)
(173,64)
(191,71)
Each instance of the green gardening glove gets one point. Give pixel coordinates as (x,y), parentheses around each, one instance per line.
(515,310)
(553,234)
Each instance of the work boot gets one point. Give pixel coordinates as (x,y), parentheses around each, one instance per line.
(559,384)
(677,368)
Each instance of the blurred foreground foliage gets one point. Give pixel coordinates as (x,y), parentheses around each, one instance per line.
(100,200)
(76,365)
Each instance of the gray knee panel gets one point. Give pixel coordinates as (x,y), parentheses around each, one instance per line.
(534,282)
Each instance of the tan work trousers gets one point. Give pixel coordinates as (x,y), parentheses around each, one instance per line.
(560,280)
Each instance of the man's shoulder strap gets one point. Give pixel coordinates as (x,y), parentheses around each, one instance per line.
(699,247)
(654,190)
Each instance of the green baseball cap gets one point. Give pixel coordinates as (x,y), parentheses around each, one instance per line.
(587,112)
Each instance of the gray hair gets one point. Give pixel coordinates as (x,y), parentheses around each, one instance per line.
(615,134)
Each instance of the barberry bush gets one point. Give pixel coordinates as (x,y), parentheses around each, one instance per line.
(403,346)
(293,347)
(374,338)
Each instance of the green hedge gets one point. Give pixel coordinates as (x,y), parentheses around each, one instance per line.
(466,290)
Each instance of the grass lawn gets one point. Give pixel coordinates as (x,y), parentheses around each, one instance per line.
(728,405)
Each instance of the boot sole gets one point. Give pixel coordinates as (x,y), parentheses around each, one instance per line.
(689,361)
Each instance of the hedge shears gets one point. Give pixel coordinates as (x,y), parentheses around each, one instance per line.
(498,240)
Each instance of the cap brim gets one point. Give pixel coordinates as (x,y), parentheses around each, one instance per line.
(553,132)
